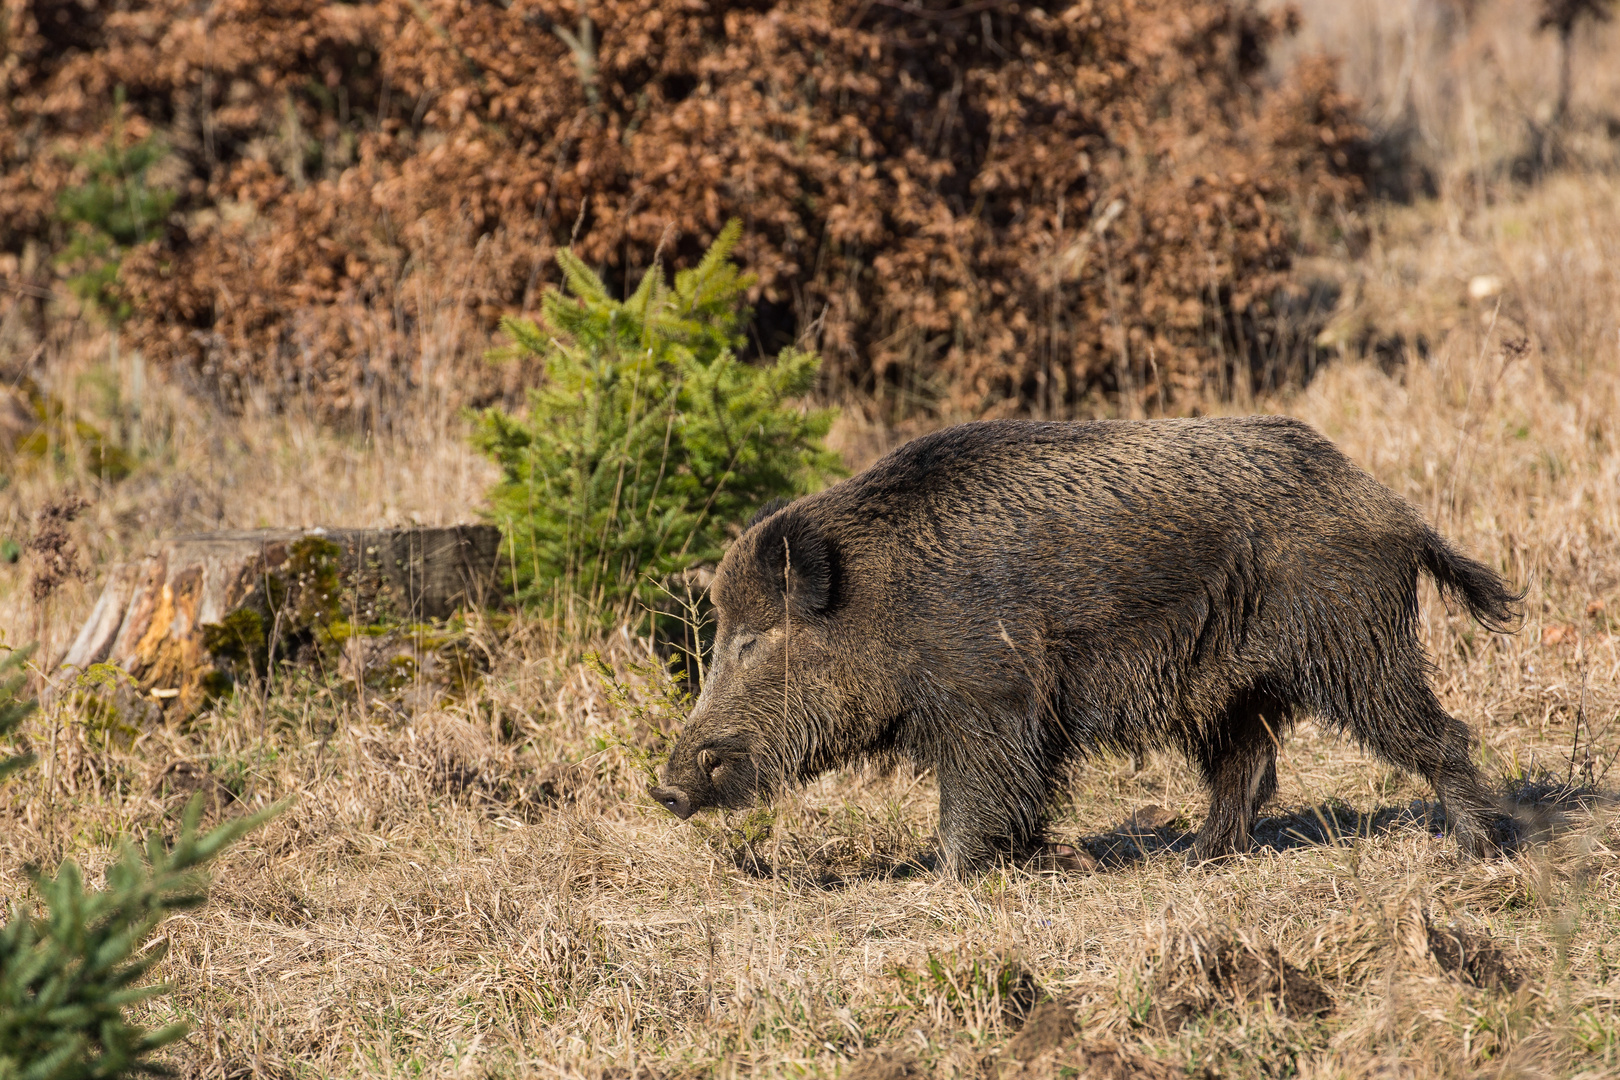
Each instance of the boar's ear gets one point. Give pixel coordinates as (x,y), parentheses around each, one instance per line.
(794,554)
(766,511)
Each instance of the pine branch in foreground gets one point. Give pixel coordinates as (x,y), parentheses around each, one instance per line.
(67,976)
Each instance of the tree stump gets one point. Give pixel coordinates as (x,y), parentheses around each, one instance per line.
(254,595)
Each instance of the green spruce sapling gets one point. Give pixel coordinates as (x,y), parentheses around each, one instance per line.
(648,436)
(67,976)
(114,209)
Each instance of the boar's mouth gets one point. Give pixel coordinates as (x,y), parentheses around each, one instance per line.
(674,800)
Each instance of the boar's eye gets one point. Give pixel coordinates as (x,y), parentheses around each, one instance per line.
(745,643)
(708,760)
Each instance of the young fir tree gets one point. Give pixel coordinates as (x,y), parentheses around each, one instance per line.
(648,437)
(115,209)
(68,975)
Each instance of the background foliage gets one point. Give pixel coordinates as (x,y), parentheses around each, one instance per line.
(114,209)
(957,205)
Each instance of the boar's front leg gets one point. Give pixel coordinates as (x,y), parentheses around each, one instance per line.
(992,803)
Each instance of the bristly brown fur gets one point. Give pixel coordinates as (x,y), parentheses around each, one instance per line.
(996,600)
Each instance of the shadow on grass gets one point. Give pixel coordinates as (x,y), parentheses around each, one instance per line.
(1326,824)
(1128,844)
(1540,807)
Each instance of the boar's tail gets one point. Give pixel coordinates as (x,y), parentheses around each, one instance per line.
(1488,597)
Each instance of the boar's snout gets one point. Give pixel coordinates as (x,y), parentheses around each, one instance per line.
(674,800)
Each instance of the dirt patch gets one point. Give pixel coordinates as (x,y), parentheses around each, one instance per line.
(886,1064)
(1246,974)
(1473,958)
(1049,1045)
(1369,940)
(1049,1027)
(633,1072)
(1101,1059)
(1196,972)
(1107,1060)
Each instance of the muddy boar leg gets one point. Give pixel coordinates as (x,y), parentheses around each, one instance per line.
(1240,766)
(988,810)
(1266,786)
(1408,727)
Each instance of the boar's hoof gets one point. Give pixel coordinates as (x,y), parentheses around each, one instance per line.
(1498,835)
(1209,860)
(674,800)
(1062,859)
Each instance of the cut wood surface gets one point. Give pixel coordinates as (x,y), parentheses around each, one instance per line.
(151,615)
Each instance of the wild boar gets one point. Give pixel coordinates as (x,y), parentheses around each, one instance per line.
(998,600)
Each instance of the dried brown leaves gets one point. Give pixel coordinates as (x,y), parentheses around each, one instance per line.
(56,555)
(1007,202)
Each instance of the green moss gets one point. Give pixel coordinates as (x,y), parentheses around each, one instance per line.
(396,673)
(439,652)
(307,593)
(298,607)
(216,684)
(58,438)
(238,638)
(297,616)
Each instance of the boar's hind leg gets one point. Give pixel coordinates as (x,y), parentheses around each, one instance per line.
(1239,763)
(1408,727)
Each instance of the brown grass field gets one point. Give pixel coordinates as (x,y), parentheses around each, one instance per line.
(478,884)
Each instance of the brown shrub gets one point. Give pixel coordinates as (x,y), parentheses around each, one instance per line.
(56,555)
(962,205)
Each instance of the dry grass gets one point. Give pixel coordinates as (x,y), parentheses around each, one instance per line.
(482,886)
(1456,91)
(195,470)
